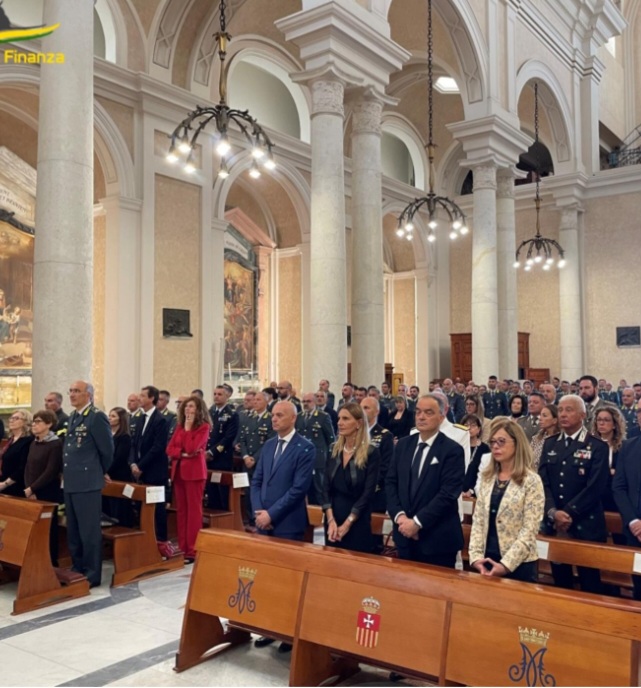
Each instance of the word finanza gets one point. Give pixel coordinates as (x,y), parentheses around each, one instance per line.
(18,57)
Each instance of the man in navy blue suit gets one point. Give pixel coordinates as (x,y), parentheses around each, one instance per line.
(281,482)
(423,483)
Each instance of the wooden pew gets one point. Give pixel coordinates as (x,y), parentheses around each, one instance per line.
(135,552)
(430,623)
(231,518)
(24,546)
(381,523)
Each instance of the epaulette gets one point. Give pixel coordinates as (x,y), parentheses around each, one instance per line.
(460,427)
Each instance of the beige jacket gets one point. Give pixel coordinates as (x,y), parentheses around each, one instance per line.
(517,521)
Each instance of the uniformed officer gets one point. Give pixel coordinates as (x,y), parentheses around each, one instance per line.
(257,430)
(574,470)
(321,404)
(133,411)
(383,440)
(628,410)
(220,449)
(316,426)
(162,406)
(455,401)
(494,402)
(245,416)
(387,398)
(88,454)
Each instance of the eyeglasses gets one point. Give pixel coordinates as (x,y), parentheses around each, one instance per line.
(500,442)
(16,418)
(37,420)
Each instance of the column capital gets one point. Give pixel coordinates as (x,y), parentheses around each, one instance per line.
(328,97)
(490,139)
(347,36)
(505,181)
(366,116)
(485,175)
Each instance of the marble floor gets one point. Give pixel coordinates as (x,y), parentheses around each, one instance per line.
(127,636)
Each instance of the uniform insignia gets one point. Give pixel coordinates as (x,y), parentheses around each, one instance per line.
(461,427)
(552,453)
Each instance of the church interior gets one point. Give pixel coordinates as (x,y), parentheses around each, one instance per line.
(127,262)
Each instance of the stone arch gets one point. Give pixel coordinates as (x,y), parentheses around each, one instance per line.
(403,129)
(113,154)
(556,106)
(287,176)
(271,57)
(164,32)
(115,31)
(450,174)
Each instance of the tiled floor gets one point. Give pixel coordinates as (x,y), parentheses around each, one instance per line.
(126,637)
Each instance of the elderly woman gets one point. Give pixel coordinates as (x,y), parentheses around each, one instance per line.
(548,426)
(350,483)
(402,421)
(518,407)
(14,456)
(43,469)
(189,470)
(609,425)
(509,508)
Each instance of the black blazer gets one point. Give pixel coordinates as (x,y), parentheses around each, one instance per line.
(626,486)
(14,461)
(574,479)
(363,480)
(473,469)
(120,468)
(401,427)
(435,504)
(148,450)
(383,416)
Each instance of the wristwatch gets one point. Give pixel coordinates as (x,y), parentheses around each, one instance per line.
(351,518)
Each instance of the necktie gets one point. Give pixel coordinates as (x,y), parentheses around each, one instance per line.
(279,451)
(416,469)
(567,441)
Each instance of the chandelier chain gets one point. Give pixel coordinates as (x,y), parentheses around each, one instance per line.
(537,159)
(430,75)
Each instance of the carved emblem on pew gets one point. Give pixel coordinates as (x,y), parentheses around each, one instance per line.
(369,623)
(531,667)
(3,525)
(242,598)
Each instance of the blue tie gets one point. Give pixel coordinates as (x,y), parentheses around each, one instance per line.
(279,451)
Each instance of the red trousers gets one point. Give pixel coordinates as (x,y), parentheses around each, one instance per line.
(189,512)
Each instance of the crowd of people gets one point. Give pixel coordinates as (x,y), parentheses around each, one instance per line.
(553,458)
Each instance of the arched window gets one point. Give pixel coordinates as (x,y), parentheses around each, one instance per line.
(396,160)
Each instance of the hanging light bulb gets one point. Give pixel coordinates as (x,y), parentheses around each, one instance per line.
(171,157)
(254,172)
(223,172)
(270,164)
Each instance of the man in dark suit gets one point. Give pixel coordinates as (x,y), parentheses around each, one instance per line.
(530,423)
(636,431)
(53,402)
(423,484)
(320,398)
(281,483)
(220,449)
(88,454)
(494,401)
(331,398)
(574,469)
(148,458)
(626,489)
(316,426)
(164,397)
(588,391)
(455,401)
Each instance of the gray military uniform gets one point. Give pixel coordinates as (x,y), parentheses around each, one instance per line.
(87,455)
(317,428)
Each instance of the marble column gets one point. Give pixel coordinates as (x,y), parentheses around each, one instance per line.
(485,333)
(506,274)
(570,306)
(368,326)
(215,259)
(63,257)
(328,285)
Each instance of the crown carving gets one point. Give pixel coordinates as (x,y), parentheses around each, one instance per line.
(370,605)
(534,637)
(247,573)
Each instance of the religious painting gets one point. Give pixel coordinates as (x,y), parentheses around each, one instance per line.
(240,316)
(16,311)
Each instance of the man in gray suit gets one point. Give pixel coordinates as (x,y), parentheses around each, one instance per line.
(88,453)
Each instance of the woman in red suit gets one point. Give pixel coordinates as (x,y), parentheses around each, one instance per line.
(186,450)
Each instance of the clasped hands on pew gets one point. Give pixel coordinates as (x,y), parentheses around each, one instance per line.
(336,533)
(263,520)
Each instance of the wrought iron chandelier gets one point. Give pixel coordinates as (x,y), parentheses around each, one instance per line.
(439,208)
(538,250)
(185,136)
